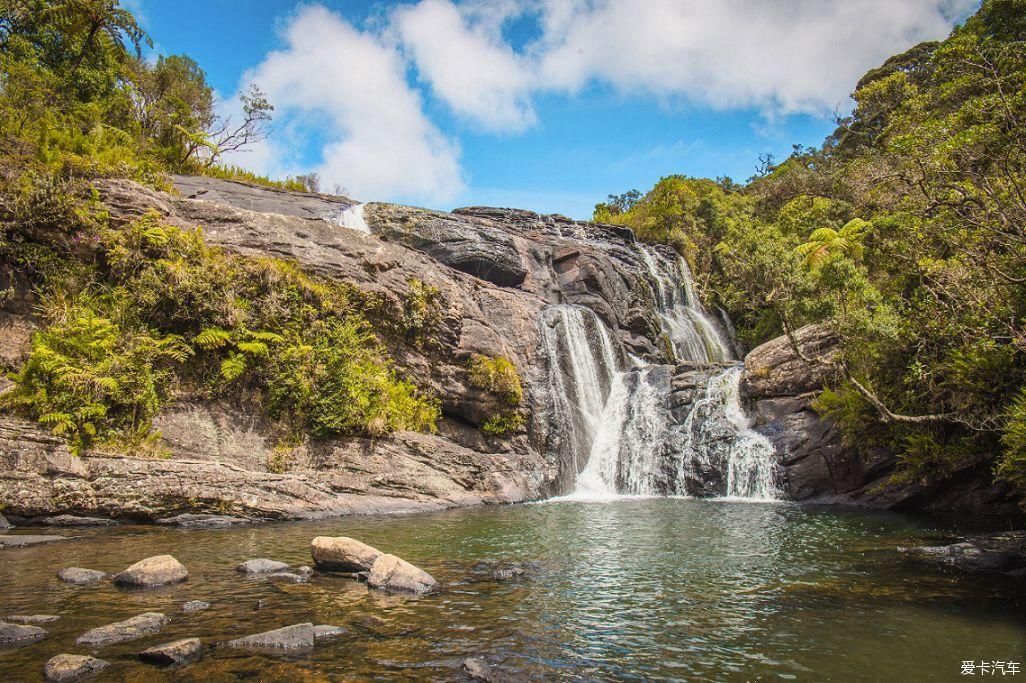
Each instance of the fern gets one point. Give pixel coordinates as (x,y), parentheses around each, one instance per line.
(212,338)
(233,367)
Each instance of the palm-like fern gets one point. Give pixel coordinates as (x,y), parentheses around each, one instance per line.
(826,242)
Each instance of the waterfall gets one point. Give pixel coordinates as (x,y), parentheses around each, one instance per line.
(716,442)
(353,219)
(582,367)
(692,333)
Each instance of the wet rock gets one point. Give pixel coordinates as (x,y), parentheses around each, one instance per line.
(63,668)
(478,670)
(395,574)
(287,576)
(177,653)
(80,577)
(305,571)
(32,618)
(328,632)
(23,540)
(19,633)
(195,606)
(200,521)
(76,520)
(4,524)
(159,570)
(261,566)
(341,553)
(295,637)
(122,631)
(1002,552)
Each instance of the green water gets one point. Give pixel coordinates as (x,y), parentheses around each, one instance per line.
(651,589)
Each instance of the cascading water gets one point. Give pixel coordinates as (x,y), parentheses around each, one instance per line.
(619,434)
(352,218)
(693,334)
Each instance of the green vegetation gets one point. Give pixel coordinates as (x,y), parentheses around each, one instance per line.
(903,233)
(499,376)
(136,314)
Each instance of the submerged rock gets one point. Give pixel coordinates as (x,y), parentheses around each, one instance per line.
(295,637)
(478,669)
(177,653)
(195,606)
(261,565)
(63,668)
(305,571)
(159,570)
(341,553)
(1002,552)
(80,577)
(19,633)
(507,573)
(123,631)
(392,573)
(287,576)
(22,540)
(32,618)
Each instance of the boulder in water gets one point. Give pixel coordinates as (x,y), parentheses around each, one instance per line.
(79,576)
(395,574)
(4,524)
(344,554)
(506,573)
(478,670)
(328,632)
(295,637)
(159,570)
(23,540)
(177,653)
(19,633)
(1001,552)
(261,565)
(195,606)
(64,668)
(122,631)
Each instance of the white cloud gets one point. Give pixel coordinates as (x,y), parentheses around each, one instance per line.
(463,58)
(349,89)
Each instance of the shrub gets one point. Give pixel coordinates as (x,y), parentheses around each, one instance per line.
(502,424)
(497,375)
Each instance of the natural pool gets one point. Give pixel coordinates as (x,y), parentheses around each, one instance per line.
(646,589)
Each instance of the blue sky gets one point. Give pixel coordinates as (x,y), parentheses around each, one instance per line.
(542,104)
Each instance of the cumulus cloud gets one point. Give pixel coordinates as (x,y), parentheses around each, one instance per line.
(349,89)
(462,56)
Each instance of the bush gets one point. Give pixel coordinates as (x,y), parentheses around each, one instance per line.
(497,375)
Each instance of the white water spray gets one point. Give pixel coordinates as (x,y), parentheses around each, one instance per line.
(353,219)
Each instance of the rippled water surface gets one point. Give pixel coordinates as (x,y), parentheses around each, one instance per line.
(651,589)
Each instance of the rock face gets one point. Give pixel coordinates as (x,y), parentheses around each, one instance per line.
(344,554)
(158,570)
(261,566)
(177,653)
(81,577)
(295,637)
(122,631)
(816,462)
(19,633)
(63,668)
(395,574)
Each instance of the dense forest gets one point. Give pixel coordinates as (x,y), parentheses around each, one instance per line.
(904,233)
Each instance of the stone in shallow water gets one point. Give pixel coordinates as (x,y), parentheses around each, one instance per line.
(199,521)
(19,633)
(177,653)
(158,570)
(32,618)
(123,631)
(195,606)
(295,637)
(22,540)
(76,520)
(261,565)
(328,632)
(66,667)
(478,670)
(287,576)
(4,524)
(507,573)
(395,574)
(79,576)
(343,554)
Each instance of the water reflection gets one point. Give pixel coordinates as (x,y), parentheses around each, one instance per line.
(631,589)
